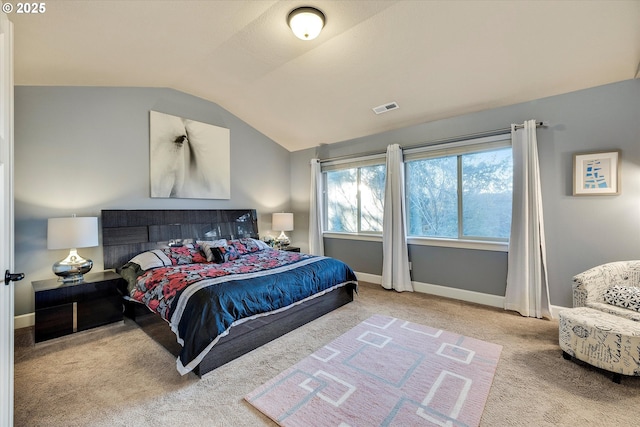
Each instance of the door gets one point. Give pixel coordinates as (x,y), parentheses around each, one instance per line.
(6,220)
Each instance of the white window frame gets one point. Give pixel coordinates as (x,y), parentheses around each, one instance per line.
(485,143)
(357,162)
(458,149)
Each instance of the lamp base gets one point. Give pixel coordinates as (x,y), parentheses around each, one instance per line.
(283,240)
(72,268)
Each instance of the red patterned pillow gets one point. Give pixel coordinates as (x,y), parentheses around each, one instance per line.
(182,255)
(239,246)
(229,253)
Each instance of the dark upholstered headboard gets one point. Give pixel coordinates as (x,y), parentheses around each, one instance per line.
(126,233)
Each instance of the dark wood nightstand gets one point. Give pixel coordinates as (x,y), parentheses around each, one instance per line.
(65,308)
(290,249)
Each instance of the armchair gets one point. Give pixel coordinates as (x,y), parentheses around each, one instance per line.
(589,287)
(603,327)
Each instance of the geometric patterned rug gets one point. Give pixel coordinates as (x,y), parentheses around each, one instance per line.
(384,372)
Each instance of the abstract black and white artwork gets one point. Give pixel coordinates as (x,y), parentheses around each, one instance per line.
(188,159)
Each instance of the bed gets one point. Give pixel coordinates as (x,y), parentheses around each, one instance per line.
(201,284)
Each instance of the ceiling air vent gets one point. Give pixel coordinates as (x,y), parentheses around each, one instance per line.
(386,107)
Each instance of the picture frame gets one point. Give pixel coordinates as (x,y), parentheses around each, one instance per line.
(188,159)
(596,173)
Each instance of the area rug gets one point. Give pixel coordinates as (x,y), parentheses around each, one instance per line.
(384,372)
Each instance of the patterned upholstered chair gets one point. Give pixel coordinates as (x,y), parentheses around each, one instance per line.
(603,328)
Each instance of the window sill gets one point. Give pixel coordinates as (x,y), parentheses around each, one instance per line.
(354,236)
(481,245)
(423,241)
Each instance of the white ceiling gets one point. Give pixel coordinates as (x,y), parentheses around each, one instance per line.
(436,59)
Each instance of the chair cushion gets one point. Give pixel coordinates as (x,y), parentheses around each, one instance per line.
(624,313)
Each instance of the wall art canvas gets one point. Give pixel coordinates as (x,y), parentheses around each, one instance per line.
(188,159)
(596,174)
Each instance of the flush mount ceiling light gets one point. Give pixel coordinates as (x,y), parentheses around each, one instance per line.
(306,22)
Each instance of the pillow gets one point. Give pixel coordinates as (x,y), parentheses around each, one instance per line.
(623,296)
(151,259)
(216,255)
(206,247)
(254,245)
(228,250)
(130,272)
(261,245)
(248,245)
(239,245)
(229,253)
(187,254)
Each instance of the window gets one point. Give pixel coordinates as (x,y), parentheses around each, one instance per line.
(432,197)
(354,198)
(460,192)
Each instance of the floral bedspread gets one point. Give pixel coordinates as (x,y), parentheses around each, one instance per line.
(158,287)
(202,301)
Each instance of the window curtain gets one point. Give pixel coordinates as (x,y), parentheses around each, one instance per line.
(316,243)
(527,283)
(395,254)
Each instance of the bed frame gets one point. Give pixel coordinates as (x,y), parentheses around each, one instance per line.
(126,233)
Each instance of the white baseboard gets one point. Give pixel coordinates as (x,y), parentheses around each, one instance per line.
(28,319)
(24,321)
(460,294)
(445,291)
(369,278)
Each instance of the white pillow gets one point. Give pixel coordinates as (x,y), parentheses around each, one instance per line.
(261,244)
(151,259)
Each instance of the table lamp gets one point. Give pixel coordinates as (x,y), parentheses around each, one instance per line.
(282,222)
(72,233)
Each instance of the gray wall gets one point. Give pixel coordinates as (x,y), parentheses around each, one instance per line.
(83,149)
(581,232)
(80,150)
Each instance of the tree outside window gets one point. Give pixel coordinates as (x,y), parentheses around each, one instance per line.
(355,199)
(466,194)
(462,196)
(487,182)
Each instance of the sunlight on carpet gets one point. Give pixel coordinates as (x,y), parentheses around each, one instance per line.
(385,371)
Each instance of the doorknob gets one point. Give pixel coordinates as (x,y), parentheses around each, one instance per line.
(12,277)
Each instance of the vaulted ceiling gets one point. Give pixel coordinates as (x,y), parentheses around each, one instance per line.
(436,59)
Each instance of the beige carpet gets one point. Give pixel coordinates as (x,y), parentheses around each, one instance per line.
(117,376)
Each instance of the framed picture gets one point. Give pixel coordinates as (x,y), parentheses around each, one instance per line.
(188,159)
(596,174)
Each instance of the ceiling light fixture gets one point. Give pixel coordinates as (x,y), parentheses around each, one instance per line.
(306,22)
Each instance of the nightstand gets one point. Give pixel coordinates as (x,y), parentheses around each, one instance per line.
(65,308)
(290,249)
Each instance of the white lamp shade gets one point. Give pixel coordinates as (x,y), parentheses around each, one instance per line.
(72,232)
(282,221)
(306,22)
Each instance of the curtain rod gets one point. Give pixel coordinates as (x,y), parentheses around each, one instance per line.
(440,141)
